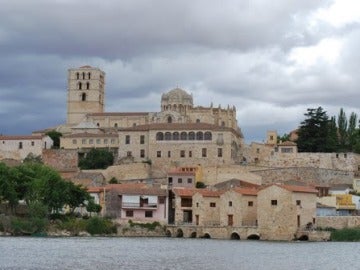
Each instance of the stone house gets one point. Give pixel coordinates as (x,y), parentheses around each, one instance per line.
(283,210)
(206,207)
(182,177)
(136,202)
(181,206)
(238,207)
(19,147)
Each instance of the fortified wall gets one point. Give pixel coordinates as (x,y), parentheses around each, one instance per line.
(61,160)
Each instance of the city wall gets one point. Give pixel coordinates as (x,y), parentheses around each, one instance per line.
(338,222)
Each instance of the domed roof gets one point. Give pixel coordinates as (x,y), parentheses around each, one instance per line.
(177,95)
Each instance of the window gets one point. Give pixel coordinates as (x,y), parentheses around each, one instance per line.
(83,141)
(208,136)
(112,141)
(337,155)
(116,125)
(190,153)
(250,203)
(183,136)
(169,119)
(74,141)
(189,180)
(167,136)
(191,136)
(105,141)
(142,153)
(20,145)
(158,154)
(220,153)
(298,202)
(271,137)
(127,139)
(129,213)
(170,180)
(80,85)
(161,200)
(159,136)
(199,136)
(89,75)
(223,123)
(197,120)
(203,152)
(179,180)
(98,141)
(230,203)
(212,204)
(77,75)
(345,155)
(182,153)
(257,150)
(83,97)
(176,136)
(142,139)
(169,153)
(83,75)
(91,141)
(148,214)
(197,204)
(87,85)
(32,143)
(128,153)
(274,202)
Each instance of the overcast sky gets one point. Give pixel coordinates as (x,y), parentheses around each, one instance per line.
(271,59)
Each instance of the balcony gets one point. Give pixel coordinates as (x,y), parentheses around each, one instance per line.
(128,205)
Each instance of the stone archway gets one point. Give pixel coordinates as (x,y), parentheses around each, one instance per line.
(168,233)
(253,237)
(206,236)
(179,233)
(193,235)
(303,238)
(235,236)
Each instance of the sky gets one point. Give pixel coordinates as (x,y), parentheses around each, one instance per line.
(270,59)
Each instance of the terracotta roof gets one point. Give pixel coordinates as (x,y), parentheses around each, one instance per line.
(21,137)
(184,192)
(136,189)
(97,189)
(119,114)
(246,191)
(301,189)
(287,143)
(209,193)
(92,135)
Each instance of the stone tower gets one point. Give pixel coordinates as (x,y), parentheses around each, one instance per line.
(86,90)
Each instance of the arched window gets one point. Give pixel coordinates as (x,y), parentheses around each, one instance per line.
(116,125)
(191,135)
(80,85)
(197,120)
(199,136)
(87,85)
(89,75)
(83,97)
(159,136)
(208,136)
(77,75)
(83,75)
(183,136)
(167,136)
(169,119)
(98,124)
(176,136)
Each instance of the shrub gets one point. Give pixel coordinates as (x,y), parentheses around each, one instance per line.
(346,234)
(96,225)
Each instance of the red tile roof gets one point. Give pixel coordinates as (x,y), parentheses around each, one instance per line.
(136,189)
(292,188)
(246,191)
(184,192)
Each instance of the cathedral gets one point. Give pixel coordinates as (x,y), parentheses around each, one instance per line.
(180,134)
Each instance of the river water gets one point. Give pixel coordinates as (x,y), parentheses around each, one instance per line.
(27,253)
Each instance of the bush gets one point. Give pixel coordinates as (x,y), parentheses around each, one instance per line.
(96,225)
(150,226)
(346,234)
(30,226)
(200,185)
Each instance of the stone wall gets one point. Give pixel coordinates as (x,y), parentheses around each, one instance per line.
(61,160)
(127,171)
(338,222)
(304,174)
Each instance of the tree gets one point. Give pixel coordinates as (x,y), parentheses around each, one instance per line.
(55,136)
(76,196)
(285,137)
(343,131)
(97,159)
(314,135)
(31,158)
(7,188)
(93,207)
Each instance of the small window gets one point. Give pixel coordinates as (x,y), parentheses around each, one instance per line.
(74,141)
(127,139)
(204,152)
(158,153)
(345,155)
(142,139)
(148,214)
(257,150)
(197,120)
(220,152)
(77,75)
(89,75)
(83,141)
(128,153)
(20,145)
(298,202)
(190,153)
(83,97)
(212,204)
(337,155)
(91,141)
(161,200)
(169,153)
(250,203)
(182,153)
(230,203)
(32,143)
(179,180)
(87,86)
(273,202)
(142,153)
(197,204)
(129,213)
(112,141)
(116,125)
(170,180)
(98,141)
(105,141)
(189,180)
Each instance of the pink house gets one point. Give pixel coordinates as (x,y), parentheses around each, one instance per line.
(138,202)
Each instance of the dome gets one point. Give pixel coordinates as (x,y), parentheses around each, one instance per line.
(179,96)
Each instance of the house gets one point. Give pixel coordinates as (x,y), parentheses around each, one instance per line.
(238,207)
(206,207)
(283,210)
(182,177)
(138,202)
(19,147)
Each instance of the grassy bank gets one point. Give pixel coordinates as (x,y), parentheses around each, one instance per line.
(346,234)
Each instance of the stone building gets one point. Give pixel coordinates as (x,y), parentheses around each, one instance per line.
(179,134)
(19,147)
(283,210)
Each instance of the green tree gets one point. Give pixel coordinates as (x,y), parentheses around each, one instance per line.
(55,136)
(93,207)
(314,135)
(75,196)
(7,187)
(343,129)
(285,137)
(352,132)
(31,158)
(97,159)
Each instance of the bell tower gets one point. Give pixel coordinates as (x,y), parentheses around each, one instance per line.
(86,90)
